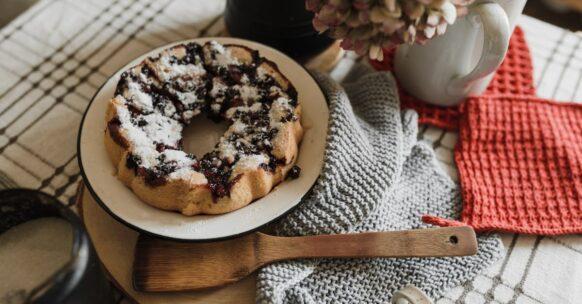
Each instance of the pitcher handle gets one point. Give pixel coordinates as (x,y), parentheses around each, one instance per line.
(496,41)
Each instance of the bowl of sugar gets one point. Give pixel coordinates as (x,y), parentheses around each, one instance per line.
(45,253)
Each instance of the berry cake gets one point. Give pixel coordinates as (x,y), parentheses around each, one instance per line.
(157,98)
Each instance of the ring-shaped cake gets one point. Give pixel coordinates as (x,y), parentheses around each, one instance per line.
(157,98)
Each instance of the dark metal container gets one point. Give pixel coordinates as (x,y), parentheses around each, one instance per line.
(81,279)
(284,25)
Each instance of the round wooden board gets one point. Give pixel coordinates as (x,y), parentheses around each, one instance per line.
(115,244)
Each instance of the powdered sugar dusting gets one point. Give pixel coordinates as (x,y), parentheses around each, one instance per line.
(136,136)
(167,71)
(248,93)
(148,156)
(218,87)
(223,56)
(158,97)
(261,73)
(227,151)
(182,173)
(279,110)
(169,109)
(250,162)
(178,156)
(187,115)
(138,98)
(162,129)
(238,127)
(188,98)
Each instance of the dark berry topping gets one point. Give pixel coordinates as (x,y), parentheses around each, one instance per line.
(154,178)
(146,71)
(217,172)
(132,161)
(141,122)
(160,147)
(294,172)
(256,138)
(235,74)
(114,126)
(289,117)
(292,93)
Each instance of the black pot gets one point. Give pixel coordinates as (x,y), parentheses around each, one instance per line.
(82,279)
(284,25)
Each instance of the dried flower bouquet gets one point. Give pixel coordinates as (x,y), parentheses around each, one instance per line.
(368,26)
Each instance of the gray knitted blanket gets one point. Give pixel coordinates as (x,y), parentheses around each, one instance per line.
(376,177)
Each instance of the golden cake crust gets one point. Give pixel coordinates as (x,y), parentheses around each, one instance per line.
(192,194)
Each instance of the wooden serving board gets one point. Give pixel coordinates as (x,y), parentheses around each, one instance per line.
(115,243)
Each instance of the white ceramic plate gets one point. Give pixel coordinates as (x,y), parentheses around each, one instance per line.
(122,204)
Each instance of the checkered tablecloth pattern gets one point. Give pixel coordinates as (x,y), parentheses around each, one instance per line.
(54,57)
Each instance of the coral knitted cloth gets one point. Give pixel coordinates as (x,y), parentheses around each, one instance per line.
(520,165)
(519,156)
(515,76)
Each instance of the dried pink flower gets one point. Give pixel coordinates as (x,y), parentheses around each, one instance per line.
(312,5)
(368,26)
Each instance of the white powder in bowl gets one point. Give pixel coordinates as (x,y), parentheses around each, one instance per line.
(30,253)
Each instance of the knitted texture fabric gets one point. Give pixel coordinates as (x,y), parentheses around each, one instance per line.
(520,165)
(514,76)
(376,177)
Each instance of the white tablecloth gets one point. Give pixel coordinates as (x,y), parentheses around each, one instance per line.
(56,55)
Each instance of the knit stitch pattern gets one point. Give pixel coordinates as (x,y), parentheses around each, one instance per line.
(514,76)
(376,177)
(520,165)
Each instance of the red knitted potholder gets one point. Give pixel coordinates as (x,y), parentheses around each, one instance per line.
(520,165)
(515,75)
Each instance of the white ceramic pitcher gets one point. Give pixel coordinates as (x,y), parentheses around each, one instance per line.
(460,63)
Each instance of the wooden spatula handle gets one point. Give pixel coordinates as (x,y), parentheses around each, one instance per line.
(433,242)
(162,265)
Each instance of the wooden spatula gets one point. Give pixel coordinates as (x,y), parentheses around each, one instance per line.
(162,265)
